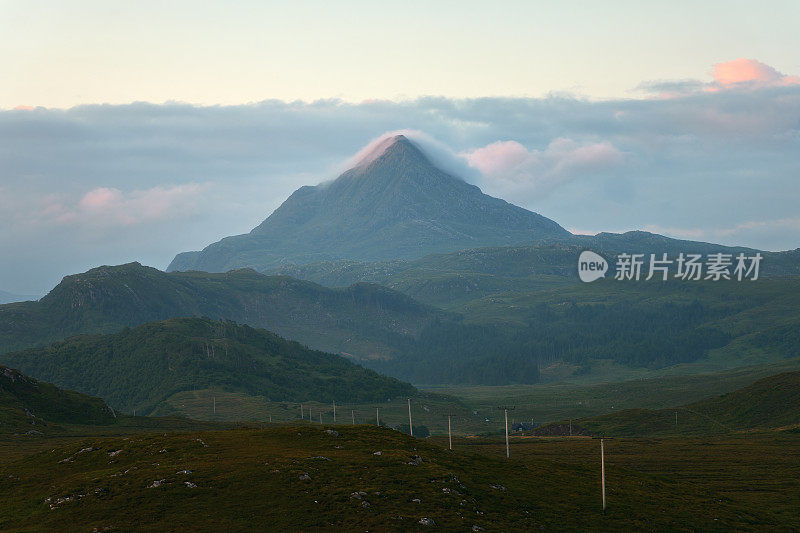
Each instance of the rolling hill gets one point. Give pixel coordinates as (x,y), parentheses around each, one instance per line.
(769,403)
(364,320)
(141,367)
(497,339)
(29,405)
(691,327)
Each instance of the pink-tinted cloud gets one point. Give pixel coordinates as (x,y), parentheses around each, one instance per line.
(513,166)
(22,107)
(741,74)
(745,72)
(109,207)
(101,199)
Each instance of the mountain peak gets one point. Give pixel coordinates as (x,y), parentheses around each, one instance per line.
(394,203)
(386,147)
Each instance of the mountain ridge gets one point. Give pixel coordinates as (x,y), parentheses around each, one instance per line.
(364,319)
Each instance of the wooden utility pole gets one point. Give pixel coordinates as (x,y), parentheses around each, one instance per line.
(505,412)
(215,404)
(449,433)
(603,472)
(302,416)
(410,426)
(508,450)
(334,411)
(377,416)
(353,415)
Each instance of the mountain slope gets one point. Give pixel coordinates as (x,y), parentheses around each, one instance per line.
(138,368)
(499,339)
(394,204)
(450,280)
(364,320)
(581,327)
(30,405)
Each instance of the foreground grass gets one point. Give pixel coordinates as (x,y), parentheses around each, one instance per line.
(747,480)
(306,478)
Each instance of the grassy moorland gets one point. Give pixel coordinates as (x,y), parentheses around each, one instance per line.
(586,398)
(744,482)
(473,409)
(771,402)
(134,473)
(307,478)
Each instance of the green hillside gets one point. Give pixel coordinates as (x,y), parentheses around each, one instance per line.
(448,280)
(139,368)
(453,279)
(771,402)
(364,320)
(494,340)
(30,405)
(648,325)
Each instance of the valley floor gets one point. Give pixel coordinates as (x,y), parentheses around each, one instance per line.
(286,478)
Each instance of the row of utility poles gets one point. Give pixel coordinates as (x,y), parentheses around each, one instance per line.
(505,409)
(377,419)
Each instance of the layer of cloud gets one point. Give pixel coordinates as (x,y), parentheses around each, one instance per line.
(108,208)
(106,184)
(511,166)
(750,73)
(749,230)
(742,74)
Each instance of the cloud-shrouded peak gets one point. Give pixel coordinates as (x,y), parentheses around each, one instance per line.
(436,152)
(750,72)
(377,147)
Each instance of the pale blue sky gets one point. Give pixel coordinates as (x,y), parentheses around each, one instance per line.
(679,117)
(58,54)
